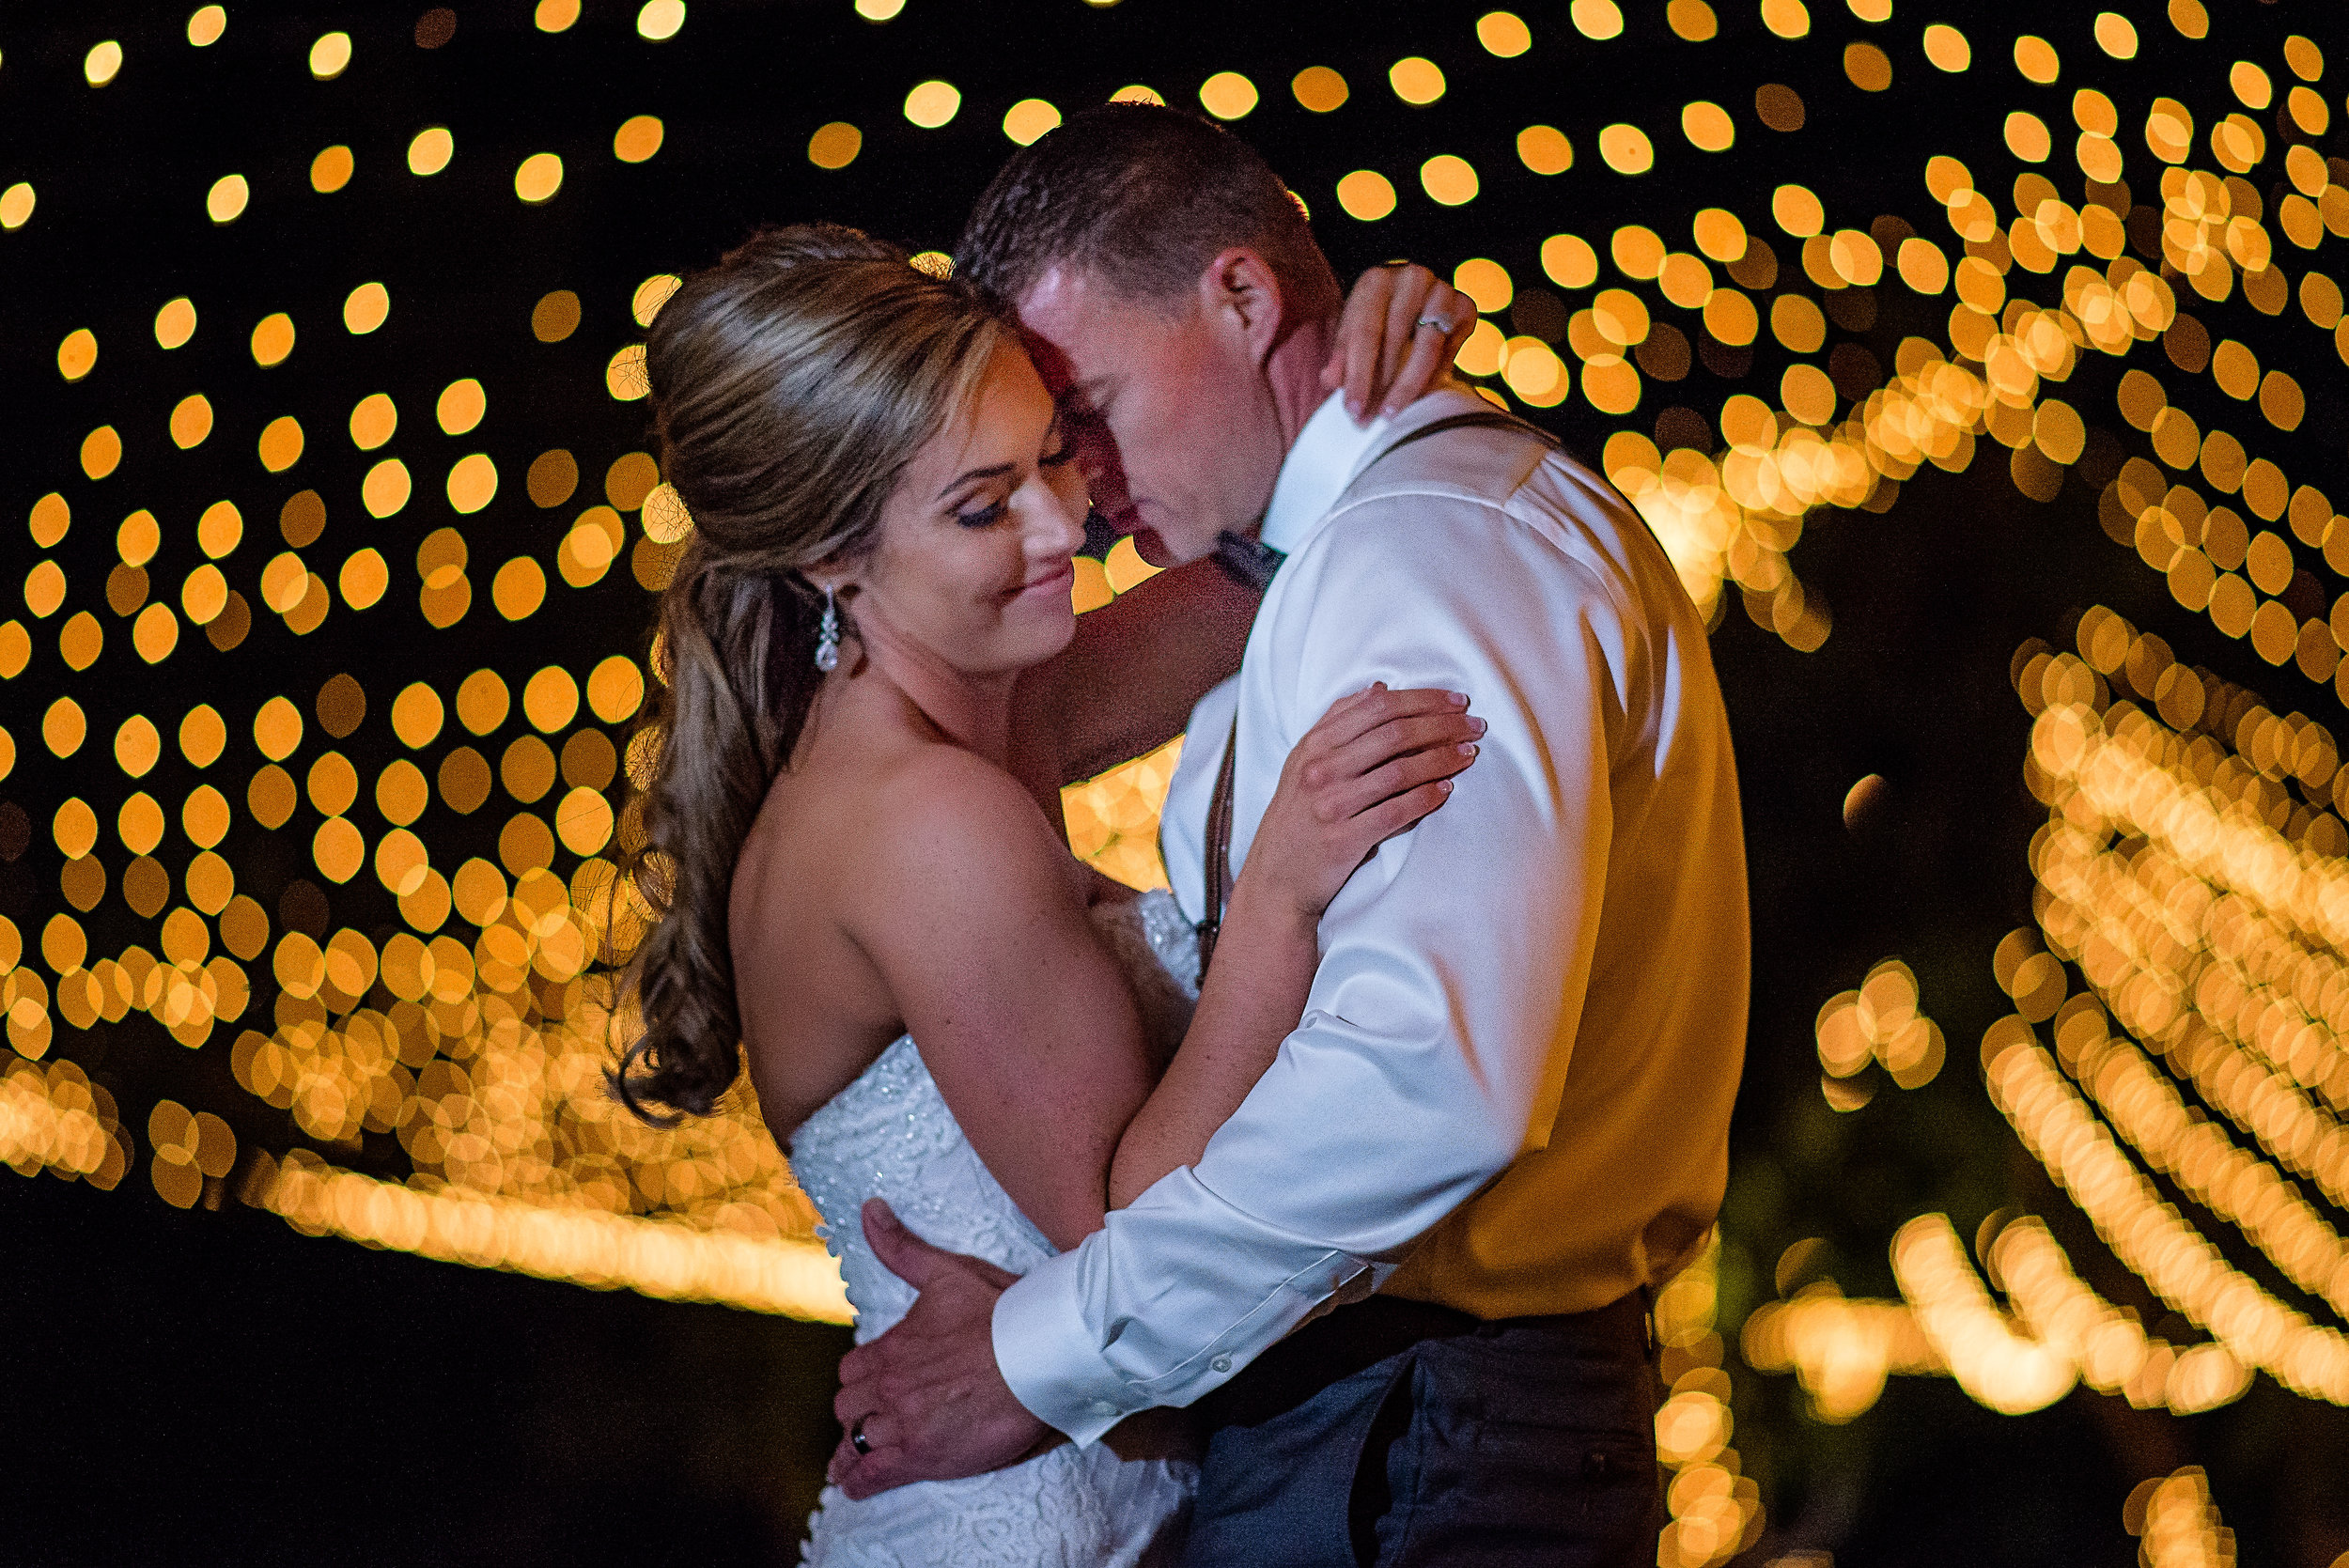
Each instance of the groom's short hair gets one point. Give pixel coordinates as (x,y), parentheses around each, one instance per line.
(1141,197)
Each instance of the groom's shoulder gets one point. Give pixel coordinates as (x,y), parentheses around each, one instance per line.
(1482,496)
(1493,524)
(1509,470)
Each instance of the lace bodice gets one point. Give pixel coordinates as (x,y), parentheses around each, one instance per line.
(889,1135)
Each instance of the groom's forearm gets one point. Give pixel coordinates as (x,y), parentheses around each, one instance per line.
(1095,1334)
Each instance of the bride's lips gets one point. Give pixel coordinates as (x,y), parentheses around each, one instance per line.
(1061,578)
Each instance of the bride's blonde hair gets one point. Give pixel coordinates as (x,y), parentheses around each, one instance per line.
(791,384)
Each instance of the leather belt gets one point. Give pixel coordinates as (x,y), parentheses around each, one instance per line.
(1354,1338)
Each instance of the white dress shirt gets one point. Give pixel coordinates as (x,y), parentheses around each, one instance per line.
(1510,1091)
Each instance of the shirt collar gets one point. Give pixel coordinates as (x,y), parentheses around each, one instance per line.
(1330,451)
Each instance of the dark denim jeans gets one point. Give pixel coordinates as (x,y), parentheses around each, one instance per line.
(1526,1442)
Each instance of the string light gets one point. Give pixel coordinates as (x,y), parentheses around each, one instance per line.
(2178,1524)
(1716,1510)
(2200,899)
(2190,872)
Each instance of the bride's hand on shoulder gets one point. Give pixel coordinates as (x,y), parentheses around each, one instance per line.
(1387,354)
(1375,763)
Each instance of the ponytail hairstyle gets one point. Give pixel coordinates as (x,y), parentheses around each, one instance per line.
(791,384)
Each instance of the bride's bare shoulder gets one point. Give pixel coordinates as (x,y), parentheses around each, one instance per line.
(862,867)
(899,819)
(952,830)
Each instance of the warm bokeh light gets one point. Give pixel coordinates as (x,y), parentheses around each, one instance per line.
(273,338)
(539,177)
(1596,20)
(342,813)
(836,144)
(191,421)
(1544,150)
(1708,127)
(1366,195)
(77,356)
(331,170)
(1416,80)
(638,138)
(1227,95)
(660,19)
(933,104)
(330,56)
(461,405)
(1947,47)
(367,308)
(1505,34)
(1026,120)
(1448,179)
(1319,88)
(224,203)
(1625,148)
(430,149)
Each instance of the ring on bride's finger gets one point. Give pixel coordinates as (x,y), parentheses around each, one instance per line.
(857,1439)
(1438,322)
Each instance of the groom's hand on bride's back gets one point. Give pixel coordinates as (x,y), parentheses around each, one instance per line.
(933,1406)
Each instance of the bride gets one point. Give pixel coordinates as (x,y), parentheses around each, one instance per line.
(886,507)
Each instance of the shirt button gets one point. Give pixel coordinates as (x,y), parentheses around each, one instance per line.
(1221,1363)
(1103,1407)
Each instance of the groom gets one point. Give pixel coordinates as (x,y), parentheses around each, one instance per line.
(1502,1120)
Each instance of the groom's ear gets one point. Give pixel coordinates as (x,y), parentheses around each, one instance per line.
(1241,296)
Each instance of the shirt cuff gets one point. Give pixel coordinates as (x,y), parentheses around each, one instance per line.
(1043,1351)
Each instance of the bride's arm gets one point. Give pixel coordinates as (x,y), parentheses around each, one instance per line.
(968,909)
(1375,763)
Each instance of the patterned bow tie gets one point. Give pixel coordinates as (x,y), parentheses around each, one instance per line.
(1250,563)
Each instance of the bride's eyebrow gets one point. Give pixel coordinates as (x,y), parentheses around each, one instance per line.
(992,471)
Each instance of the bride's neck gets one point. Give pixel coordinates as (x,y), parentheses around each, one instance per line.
(972,710)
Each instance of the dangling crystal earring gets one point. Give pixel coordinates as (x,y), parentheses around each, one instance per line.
(827,635)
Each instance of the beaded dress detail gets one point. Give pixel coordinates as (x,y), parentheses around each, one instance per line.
(889,1135)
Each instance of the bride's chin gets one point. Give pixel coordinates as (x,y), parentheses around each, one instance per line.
(1039,640)
(1060,637)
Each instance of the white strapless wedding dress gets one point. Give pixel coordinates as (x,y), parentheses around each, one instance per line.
(888,1135)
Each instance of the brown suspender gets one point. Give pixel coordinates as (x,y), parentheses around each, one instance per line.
(1219,851)
(1219,847)
(1496,420)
